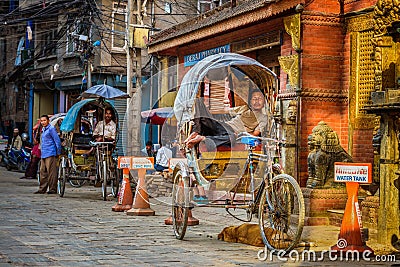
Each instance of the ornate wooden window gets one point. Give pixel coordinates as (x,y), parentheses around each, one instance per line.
(119,20)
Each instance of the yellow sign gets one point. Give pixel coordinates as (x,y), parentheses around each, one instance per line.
(138,37)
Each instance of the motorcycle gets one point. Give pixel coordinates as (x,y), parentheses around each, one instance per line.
(3,156)
(18,159)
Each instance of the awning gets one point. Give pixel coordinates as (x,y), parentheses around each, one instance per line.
(157,116)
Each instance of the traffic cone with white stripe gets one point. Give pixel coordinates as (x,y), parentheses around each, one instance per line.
(125,198)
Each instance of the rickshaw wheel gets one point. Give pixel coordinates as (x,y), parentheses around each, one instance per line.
(103,179)
(180,204)
(38,173)
(77,183)
(62,177)
(114,178)
(281,214)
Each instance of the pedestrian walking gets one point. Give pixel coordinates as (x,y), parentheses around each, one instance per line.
(50,145)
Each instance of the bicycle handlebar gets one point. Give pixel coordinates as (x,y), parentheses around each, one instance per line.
(257,138)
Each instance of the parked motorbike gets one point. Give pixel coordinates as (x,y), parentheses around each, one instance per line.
(18,159)
(3,156)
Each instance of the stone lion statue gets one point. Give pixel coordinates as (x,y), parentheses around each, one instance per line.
(325,150)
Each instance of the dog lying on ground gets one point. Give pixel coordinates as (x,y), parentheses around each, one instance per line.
(248,233)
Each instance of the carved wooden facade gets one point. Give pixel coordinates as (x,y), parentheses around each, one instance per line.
(385,102)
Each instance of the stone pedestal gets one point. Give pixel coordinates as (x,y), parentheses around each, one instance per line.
(319,201)
(369,211)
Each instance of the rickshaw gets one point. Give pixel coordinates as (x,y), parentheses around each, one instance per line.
(74,164)
(56,120)
(247,175)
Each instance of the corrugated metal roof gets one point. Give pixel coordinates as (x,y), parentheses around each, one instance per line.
(221,14)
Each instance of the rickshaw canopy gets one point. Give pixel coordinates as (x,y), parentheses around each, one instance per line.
(68,124)
(258,73)
(105,91)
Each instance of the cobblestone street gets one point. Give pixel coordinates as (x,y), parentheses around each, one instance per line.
(81,230)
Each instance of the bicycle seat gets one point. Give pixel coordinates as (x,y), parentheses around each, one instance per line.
(250,140)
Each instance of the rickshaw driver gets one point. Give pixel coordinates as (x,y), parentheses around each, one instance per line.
(109,126)
(252,120)
(110,129)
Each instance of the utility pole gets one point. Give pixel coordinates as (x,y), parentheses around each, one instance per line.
(89,74)
(135,102)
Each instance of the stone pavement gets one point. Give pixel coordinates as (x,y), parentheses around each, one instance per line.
(81,230)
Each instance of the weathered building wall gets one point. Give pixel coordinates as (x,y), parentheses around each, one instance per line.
(322,95)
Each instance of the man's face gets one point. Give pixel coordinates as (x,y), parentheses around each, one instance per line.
(108,116)
(44,121)
(257,101)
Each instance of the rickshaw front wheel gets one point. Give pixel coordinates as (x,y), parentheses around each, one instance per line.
(180,204)
(114,174)
(62,177)
(281,214)
(103,179)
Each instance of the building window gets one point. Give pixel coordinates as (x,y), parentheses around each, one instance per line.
(172,74)
(2,53)
(20,100)
(71,45)
(119,21)
(49,43)
(206,5)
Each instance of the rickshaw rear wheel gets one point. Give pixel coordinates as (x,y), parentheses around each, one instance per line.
(62,177)
(281,214)
(77,183)
(180,204)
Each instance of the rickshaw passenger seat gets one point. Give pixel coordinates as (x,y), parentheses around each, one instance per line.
(81,143)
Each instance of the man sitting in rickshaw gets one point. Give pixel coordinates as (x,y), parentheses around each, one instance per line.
(105,130)
(252,121)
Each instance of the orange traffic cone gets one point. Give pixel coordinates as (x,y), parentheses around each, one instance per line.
(141,204)
(125,198)
(350,237)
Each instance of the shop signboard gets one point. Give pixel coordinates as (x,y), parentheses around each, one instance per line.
(190,60)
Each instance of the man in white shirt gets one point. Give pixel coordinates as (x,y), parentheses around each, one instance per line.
(109,127)
(162,158)
(104,131)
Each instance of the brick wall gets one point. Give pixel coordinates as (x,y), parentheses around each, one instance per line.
(362,148)
(358,5)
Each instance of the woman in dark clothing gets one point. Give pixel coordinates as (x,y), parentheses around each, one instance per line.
(32,169)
